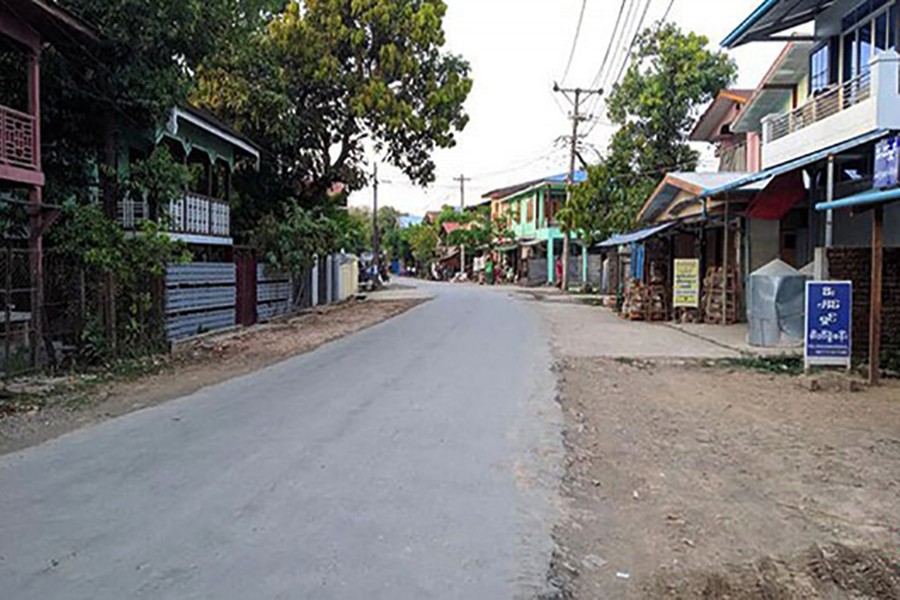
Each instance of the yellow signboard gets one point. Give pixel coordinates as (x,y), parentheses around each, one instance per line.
(686,283)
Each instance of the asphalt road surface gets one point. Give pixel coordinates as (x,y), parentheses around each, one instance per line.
(417,459)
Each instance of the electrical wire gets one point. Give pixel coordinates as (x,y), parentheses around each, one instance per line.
(609,46)
(575,41)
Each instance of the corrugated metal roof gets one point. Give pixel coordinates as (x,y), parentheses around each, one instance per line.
(797,163)
(774,16)
(872,197)
(635,236)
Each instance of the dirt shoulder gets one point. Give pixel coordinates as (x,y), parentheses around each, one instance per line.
(56,406)
(690,481)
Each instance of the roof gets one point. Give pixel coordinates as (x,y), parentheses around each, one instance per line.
(709,127)
(207,120)
(797,163)
(450,227)
(506,192)
(773,17)
(696,184)
(53,23)
(407,221)
(635,236)
(776,88)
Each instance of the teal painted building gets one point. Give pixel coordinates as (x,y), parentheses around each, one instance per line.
(530,209)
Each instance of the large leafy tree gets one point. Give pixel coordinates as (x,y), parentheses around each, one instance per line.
(329,78)
(672,75)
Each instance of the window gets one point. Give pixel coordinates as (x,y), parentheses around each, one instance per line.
(530,218)
(867,31)
(819,69)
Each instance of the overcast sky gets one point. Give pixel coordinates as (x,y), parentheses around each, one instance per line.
(517,49)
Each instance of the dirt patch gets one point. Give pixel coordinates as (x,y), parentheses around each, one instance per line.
(38,409)
(687,481)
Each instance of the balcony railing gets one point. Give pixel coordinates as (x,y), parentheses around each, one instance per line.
(193,214)
(17,139)
(819,108)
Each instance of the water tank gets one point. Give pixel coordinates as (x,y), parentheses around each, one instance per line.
(776,307)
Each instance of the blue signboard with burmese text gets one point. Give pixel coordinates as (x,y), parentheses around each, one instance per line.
(829,319)
(887,163)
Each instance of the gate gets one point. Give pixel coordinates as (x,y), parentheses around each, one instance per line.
(245,310)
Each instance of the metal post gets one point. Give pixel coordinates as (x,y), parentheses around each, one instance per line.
(875,300)
(570,180)
(829,197)
(725,267)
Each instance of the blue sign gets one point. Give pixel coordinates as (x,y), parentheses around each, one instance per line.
(829,319)
(887,163)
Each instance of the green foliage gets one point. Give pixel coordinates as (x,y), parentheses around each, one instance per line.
(423,242)
(159,179)
(326,75)
(673,73)
(88,241)
(292,240)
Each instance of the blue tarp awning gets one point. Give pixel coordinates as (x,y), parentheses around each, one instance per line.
(796,163)
(870,198)
(635,236)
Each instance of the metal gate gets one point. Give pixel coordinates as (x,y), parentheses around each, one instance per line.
(245,265)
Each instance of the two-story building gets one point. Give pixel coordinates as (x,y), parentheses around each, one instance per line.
(530,210)
(26,28)
(843,109)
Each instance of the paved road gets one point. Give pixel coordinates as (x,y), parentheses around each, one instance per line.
(417,459)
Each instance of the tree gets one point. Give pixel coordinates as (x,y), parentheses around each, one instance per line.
(328,76)
(671,76)
(423,242)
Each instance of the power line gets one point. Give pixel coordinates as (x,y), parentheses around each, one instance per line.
(609,46)
(637,33)
(575,40)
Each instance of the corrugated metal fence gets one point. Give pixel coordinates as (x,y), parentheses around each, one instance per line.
(273,293)
(200,297)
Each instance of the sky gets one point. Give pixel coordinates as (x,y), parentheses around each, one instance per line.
(517,50)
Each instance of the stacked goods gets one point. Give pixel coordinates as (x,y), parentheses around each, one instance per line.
(713,297)
(635,305)
(657,300)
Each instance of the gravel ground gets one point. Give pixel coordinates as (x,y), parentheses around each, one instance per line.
(68,403)
(685,480)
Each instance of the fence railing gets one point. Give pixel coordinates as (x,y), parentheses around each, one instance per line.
(819,108)
(194,214)
(201,215)
(17,139)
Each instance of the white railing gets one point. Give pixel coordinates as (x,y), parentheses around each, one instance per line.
(819,108)
(193,214)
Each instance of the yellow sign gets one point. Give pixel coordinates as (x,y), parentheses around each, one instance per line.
(686,283)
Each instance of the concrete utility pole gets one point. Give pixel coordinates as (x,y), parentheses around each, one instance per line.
(462,179)
(376,235)
(577,118)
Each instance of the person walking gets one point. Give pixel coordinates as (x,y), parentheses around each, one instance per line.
(489,269)
(559,273)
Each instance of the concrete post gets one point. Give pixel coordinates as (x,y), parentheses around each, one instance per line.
(551,266)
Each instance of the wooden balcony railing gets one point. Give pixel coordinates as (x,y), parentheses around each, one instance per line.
(193,214)
(819,108)
(17,139)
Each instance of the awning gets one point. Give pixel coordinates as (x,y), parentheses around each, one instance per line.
(772,17)
(778,198)
(871,198)
(797,163)
(508,248)
(636,236)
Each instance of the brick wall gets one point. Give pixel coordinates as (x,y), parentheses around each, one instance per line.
(855,264)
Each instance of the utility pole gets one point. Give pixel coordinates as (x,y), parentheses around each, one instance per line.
(462,179)
(376,235)
(577,118)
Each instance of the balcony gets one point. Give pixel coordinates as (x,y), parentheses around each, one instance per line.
(194,218)
(857,107)
(19,147)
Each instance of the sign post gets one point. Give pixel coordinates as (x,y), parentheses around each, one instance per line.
(686,282)
(829,321)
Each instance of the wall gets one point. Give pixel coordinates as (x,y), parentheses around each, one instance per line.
(857,231)
(273,293)
(855,264)
(765,242)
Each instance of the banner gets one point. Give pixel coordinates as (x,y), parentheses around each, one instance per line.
(686,283)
